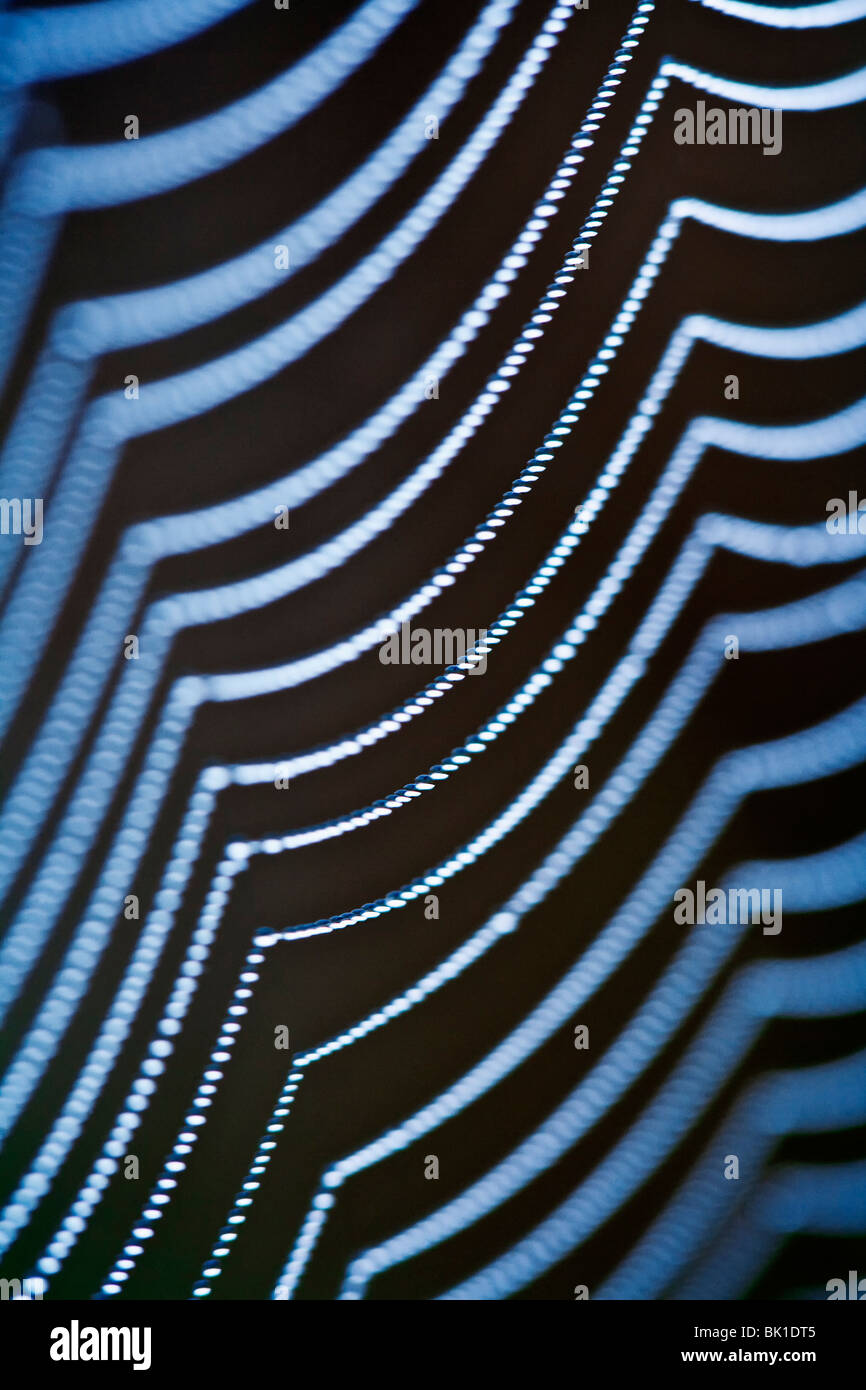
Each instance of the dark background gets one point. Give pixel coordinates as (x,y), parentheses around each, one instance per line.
(320,986)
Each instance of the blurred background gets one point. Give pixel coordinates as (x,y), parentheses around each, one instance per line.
(750,1043)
